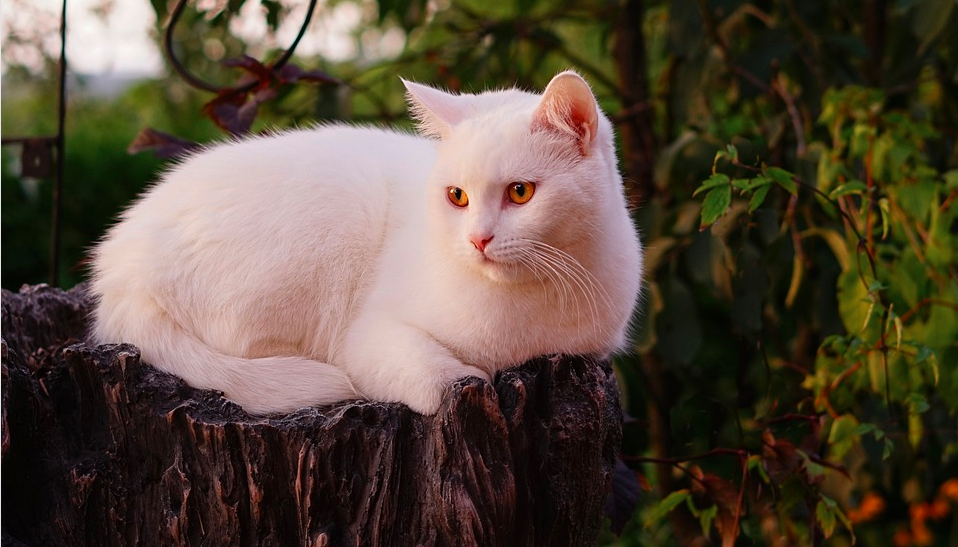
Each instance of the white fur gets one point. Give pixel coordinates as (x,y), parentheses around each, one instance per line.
(327,264)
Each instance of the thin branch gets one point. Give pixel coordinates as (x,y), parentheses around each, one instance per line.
(924,302)
(741,498)
(870,184)
(827,390)
(679,461)
(198,82)
(797,125)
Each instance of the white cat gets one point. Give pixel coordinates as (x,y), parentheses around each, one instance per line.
(342,262)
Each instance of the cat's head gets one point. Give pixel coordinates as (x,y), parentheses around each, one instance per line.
(523,182)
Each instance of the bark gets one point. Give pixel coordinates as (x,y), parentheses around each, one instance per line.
(101,449)
(636,127)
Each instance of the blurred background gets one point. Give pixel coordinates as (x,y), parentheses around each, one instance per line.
(794,376)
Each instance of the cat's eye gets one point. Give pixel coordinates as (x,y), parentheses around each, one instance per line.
(521,192)
(458,197)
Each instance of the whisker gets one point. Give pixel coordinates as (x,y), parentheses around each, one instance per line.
(537,263)
(594,282)
(588,284)
(583,284)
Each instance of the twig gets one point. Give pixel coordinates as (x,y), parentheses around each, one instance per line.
(870,185)
(827,390)
(741,497)
(797,125)
(679,461)
(199,83)
(927,302)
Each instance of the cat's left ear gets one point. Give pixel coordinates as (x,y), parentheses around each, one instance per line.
(568,106)
(436,111)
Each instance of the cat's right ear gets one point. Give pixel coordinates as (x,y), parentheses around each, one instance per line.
(436,111)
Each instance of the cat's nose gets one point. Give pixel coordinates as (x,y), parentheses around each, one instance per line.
(480,241)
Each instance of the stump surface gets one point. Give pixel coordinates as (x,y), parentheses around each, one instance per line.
(100,449)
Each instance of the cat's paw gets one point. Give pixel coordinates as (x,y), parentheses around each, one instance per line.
(430,397)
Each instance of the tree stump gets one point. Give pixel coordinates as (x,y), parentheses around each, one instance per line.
(100,449)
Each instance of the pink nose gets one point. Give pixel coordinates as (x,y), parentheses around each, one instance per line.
(480,242)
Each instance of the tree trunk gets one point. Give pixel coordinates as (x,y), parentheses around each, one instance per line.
(101,449)
(637,127)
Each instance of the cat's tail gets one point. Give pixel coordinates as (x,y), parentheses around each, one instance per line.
(261,385)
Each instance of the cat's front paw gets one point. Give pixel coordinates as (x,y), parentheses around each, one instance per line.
(434,391)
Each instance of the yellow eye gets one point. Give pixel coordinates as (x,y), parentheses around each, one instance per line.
(521,192)
(458,197)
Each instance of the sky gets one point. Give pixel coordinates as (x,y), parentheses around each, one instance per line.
(120,42)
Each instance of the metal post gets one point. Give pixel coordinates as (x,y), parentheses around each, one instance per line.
(61,156)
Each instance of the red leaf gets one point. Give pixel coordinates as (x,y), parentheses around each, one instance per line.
(228,112)
(813,439)
(162,144)
(779,457)
(262,72)
(291,73)
(256,75)
(724,494)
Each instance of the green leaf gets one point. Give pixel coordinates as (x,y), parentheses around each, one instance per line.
(782,177)
(916,429)
(856,303)
(843,436)
(667,505)
(755,462)
(917,403)
(899,327)
(160,7)
(715,204)
(825,515)
(706,517)
(933,363)
(757,198)
(747,185)
(717,179)
(273,11)
(924,352)
(930,20)
(951,179)
(883,206)
(853,187)
(732,152)
(866,428)
(876,286)
(917,199)
(927,354)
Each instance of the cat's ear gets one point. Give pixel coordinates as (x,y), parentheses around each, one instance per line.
(568,106)
(436,111)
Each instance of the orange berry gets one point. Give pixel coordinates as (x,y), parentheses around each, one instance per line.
(921,535)
(939,508)
(872,505)
(949,489)
(902,538)
(918,512)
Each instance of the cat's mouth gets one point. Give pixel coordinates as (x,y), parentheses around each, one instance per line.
(486,260)
(497,268)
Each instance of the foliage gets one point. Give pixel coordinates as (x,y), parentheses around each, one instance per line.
(886,216)
(795,171)
(100,176)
